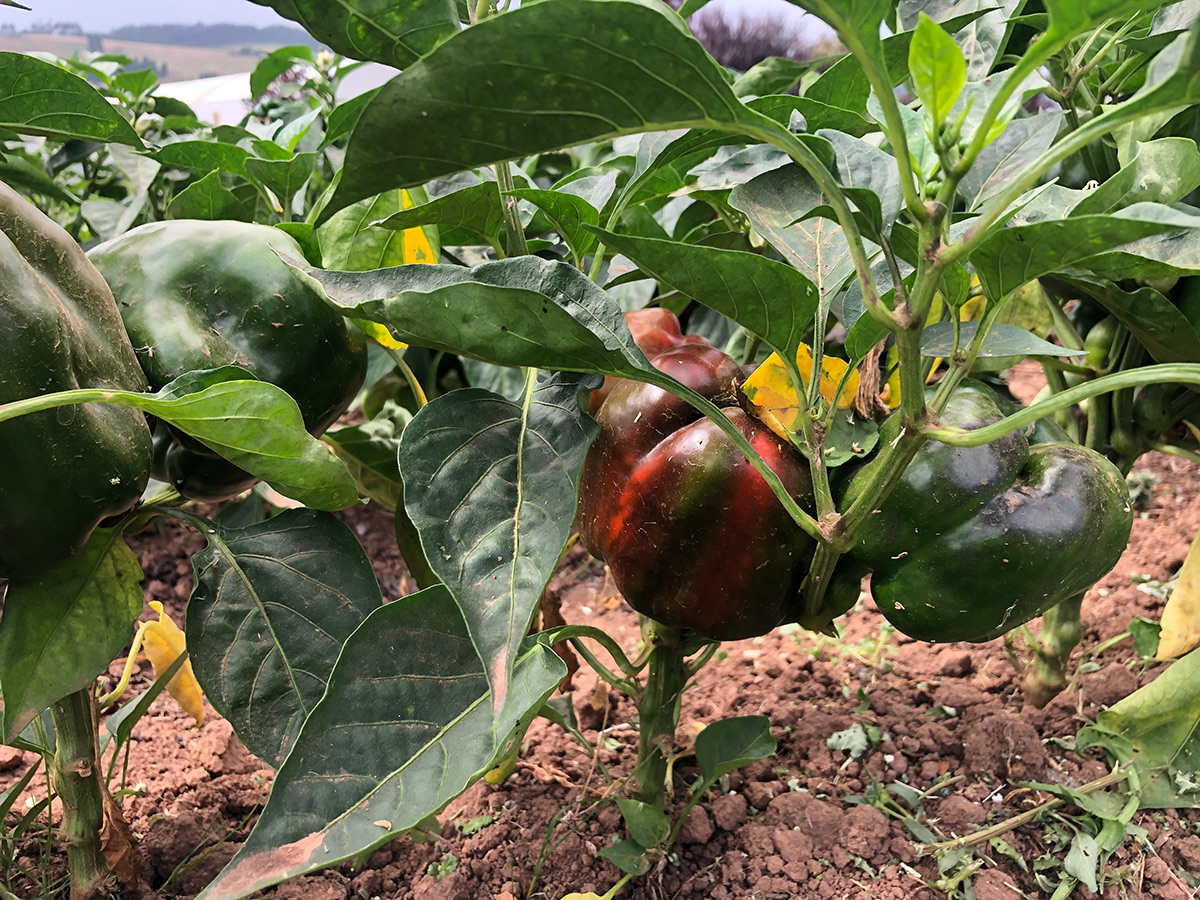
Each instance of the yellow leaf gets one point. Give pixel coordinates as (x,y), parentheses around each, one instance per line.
(1181,616)
(163,642)
(775,403)
(417,248)
(379,334)
(499,774)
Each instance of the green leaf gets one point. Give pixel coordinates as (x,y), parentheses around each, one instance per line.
(1150,317)
(1009,257)
(275,64)
(590,69)
(396,33)
(1002,340)
(344,116)
(203,156)
(254,425)
(271,607)
(627,855)
(982,39)
(849,438)
(648,825)
(369,450)
(524,311)
(1020,143)
(1072,17)
(491,487)
(356,778)
(870,177)
(771,299)
(1082,860)
(351,241)
(569,214)
(938,69)
(1162,171)
(60,631)
(816,247)
(207,199)
(282,177)
(39,98)
(478,209)
(729,744)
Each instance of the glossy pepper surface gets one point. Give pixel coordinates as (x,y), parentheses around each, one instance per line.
(974,541)
(692,534)
(197,295)
(64,470)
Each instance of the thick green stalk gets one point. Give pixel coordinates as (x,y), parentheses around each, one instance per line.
(76,780)
(1046,676)
(658,711)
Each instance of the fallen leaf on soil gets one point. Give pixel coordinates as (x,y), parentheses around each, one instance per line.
(1181,616)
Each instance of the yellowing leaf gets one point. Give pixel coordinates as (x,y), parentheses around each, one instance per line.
(379,334)
(770,393)
(163,642)
(417,248)
(1181,616)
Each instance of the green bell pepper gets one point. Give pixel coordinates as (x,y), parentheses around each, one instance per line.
(67,469)
(974,541)
(197,295)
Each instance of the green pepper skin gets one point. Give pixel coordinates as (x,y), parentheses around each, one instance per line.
(66,469)
(197,295)
(974,541)
(692,534)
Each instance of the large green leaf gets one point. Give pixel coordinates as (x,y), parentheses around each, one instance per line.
(256,426)
(1009,257)
(1003,340)
(478,209)
(396,33)
(774,202)
(1001,161)
(203,156)
(405,727)
(516,312)
(1150,317)
(1162,171)
(568,213)
(491,487)
(60,631)
(271,607)
(1157,727)
(39,98)
(1071,17)
(870,178)
(589,69)
(729,744)
(771,299)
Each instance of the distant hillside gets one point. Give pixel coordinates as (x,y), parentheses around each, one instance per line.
(220,35)
(173,62)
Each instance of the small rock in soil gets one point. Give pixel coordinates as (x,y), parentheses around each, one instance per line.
(864,833)
(1112,683)
(819,820)
(730,811)
(955,663)
(957,814)
(697,828)
(1005,746)
(10,758)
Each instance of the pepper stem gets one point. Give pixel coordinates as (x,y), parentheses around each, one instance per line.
(75,778)
(658,710)
(1046,676)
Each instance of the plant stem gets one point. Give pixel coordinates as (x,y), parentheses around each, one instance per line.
(1046,678)
(658,711)
(515,245)
(76,780)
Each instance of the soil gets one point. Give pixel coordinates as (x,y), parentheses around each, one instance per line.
(944,719)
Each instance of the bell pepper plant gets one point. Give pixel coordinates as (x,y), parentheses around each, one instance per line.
(743,335)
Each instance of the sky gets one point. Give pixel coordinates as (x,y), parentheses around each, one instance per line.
(106,15)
